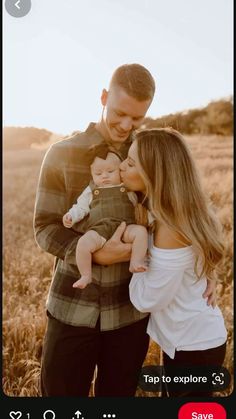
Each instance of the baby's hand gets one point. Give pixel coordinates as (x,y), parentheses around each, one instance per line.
(67,220)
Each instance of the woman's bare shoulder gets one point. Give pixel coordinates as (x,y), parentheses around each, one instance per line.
(166,238)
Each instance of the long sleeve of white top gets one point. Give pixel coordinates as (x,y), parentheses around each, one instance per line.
(154,289)
(79,210)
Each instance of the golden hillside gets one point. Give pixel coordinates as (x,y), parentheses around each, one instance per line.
(27,269)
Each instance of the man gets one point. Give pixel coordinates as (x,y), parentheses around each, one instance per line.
(96,326)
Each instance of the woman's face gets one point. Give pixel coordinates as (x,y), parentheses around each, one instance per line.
(130,172)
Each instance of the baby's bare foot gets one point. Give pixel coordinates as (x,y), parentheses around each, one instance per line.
(137,266)
(82,282)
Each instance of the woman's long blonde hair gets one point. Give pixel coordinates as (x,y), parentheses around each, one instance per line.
(176,197)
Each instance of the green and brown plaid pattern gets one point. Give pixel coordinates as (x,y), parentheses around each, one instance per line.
(64,175)
(109,207)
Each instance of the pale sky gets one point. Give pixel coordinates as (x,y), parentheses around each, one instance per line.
(59,57)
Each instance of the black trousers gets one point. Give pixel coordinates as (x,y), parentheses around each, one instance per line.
(208,357)
(71,353)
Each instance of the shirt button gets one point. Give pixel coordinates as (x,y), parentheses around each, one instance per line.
(122,189)
(96,192)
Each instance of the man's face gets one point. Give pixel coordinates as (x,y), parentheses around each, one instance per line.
(122,113)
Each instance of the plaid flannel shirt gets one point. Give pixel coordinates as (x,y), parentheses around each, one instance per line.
(64,175)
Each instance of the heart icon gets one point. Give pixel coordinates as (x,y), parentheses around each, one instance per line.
(15,415)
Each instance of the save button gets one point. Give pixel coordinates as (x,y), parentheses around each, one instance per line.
(202,410)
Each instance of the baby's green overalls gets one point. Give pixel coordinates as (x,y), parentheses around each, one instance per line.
(109,207)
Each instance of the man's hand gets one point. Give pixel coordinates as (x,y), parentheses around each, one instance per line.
(114,250)
(210,292)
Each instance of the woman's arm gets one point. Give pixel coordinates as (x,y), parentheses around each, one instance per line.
(168,239)
(153,290)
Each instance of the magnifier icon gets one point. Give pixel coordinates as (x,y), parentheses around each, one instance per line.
(49,414)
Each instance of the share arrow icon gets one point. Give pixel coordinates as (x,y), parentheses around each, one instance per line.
(77,415)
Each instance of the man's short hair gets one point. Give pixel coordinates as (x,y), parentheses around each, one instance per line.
(136,80)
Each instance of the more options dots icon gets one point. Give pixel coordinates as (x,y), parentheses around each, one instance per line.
(109,416)
(18,8)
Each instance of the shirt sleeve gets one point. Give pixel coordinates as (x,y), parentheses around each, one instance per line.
(79,210)
(154,289)
(50,205)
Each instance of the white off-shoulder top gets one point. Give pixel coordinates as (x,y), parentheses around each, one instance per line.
(180,318)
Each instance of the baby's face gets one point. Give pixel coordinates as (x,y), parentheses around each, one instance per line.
(106,172)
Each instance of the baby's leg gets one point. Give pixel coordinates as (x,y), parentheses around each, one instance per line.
(87,244)
(137,235)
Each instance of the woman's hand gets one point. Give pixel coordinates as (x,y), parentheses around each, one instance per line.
(210,292)
(114,250)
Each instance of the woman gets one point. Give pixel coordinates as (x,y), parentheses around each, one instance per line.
(185,251)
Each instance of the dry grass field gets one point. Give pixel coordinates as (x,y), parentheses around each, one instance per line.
(27,269)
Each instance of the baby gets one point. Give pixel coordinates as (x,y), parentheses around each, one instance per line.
(106,203)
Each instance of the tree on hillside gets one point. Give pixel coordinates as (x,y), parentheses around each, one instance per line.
(220,117)
(215,118)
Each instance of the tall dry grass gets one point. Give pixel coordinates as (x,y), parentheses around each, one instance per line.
(27,269)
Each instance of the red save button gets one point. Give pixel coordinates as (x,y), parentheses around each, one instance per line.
(202,411)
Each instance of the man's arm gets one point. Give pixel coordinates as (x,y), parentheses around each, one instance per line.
(50,205)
